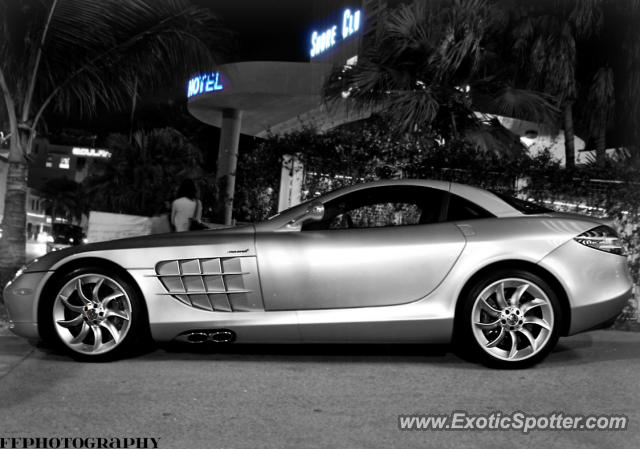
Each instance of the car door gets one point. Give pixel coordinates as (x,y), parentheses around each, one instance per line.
(380,246)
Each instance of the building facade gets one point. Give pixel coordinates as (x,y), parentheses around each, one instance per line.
(48,161)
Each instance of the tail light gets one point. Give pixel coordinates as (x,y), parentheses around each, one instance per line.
(602,238)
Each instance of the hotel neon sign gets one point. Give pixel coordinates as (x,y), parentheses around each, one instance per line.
(327,39)
(204,83)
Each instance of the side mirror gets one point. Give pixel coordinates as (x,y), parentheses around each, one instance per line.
(314,212)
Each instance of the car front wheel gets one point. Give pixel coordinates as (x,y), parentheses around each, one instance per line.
(510,320)
(95,314)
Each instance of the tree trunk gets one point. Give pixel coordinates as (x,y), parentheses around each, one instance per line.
(601,146)
(133,108)
(13,244)
(569,137)
(14,223)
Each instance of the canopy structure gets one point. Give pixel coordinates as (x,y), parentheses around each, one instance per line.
(258,98)
(273,97)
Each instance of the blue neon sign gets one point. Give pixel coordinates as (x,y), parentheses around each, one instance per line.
(204,83)
(350,23)
(327,39)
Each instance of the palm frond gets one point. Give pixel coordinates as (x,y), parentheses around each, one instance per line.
(553,60)
(491,137)
(601,99)
(466,36)
(523,34)
(95,49)
(526,105)
(587,17)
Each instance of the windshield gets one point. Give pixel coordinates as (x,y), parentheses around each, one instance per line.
(526,207)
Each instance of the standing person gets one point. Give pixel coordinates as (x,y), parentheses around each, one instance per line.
(161,220)
(187,207)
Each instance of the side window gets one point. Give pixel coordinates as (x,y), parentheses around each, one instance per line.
(387,206)
(460,209)
(377,216)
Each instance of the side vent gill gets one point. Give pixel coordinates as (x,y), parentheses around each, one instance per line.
(216,285)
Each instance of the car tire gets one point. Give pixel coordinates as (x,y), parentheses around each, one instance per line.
(509,320)
(94,315)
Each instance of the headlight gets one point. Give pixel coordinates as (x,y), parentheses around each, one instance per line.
(602,238)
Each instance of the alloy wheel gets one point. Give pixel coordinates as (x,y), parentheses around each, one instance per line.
(512,319)
(92,314)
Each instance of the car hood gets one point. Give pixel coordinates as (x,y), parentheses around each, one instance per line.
(145,243)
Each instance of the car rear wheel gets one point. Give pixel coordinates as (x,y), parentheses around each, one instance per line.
(95,314)
(510,319)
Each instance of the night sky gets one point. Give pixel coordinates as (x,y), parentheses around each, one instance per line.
(267,30)
(264,30)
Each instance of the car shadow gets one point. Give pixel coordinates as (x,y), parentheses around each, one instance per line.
(354,352)
(581,349)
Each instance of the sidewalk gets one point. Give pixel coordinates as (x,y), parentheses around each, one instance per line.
(12,351)
(4,322)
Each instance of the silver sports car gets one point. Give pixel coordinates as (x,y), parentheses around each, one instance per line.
(399,261)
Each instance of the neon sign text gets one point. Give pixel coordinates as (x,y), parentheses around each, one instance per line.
(90,152)
(204,83)
(350,23)
(322,41)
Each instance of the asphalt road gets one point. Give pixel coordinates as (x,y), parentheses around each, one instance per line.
(315,397)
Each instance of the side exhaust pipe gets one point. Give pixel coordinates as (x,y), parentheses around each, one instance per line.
(222,337)
(207,336)
(197,337)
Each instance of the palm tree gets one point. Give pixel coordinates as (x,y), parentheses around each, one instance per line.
(546,46)
(611,64)
(587,55)
(71,56)
(144,172)
(432,65)
(601,107)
